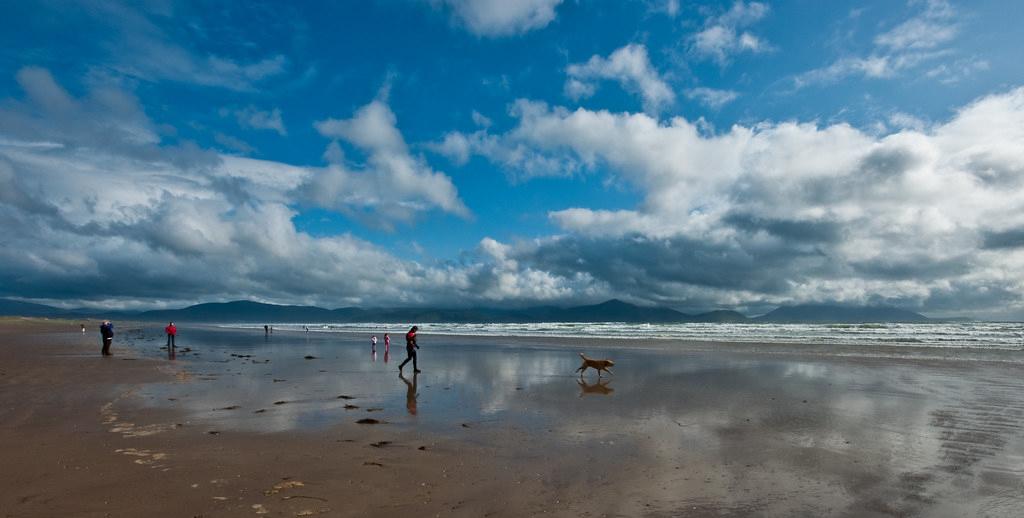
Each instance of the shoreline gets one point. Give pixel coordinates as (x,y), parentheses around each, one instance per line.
(796,349)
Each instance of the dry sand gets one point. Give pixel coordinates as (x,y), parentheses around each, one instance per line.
(73,442)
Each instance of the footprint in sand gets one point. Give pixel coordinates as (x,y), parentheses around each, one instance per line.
(126,429)
(144,457)
(281,486)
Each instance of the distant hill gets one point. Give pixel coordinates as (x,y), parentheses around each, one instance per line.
(240,311)
(609,311)
(617,311)
(27,309)
(721,316)
(828,314)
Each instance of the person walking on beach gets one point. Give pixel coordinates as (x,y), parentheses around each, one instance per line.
(266,329)
(373,343)
(83,329)
(171,332)
(387,343)
(107,332)
(410,350)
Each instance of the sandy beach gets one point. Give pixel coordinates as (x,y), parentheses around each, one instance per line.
(240,424)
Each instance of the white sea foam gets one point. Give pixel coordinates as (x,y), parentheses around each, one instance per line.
(982,335)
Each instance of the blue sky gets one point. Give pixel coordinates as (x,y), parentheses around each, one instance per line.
(696,155)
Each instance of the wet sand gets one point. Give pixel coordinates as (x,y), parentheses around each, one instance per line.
(245,425)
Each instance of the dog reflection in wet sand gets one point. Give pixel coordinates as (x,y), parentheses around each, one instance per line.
(601,387)
(598,365)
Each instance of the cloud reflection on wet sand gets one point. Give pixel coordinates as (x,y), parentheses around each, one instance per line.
(688,431)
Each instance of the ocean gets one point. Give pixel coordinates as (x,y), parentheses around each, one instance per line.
(979,335)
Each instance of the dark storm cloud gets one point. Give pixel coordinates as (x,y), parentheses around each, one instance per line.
(788,230)
(921,267)
(646,267)
(1004,239)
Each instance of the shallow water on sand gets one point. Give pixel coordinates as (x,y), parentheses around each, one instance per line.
(893,436)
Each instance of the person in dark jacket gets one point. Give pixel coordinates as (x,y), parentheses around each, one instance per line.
(410,350)
(107,332)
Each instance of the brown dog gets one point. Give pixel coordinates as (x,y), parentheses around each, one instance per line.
(598,365)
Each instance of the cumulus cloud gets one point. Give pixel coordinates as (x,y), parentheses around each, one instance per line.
(97,207)
(495,18)
(790,212)
(906,46)
(392,185)
(630,67)
(723,35)
(98,210)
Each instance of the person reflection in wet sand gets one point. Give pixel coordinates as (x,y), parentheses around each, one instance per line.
(601,387)
(410,393)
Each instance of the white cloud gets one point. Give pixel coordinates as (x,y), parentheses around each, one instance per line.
(480,120)
(495,18)
(935,26)
(902,120)
(232,143)
(959,70)
(393,185)
(97,211)
(710,97)
(906,46)
(784,212)
(631,67)
(254,118)
(723,36)
(141,48)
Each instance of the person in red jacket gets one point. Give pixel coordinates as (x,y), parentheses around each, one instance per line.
(171,332)
(410,350)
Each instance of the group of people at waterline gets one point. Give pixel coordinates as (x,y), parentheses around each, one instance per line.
(410,348)
(107,336)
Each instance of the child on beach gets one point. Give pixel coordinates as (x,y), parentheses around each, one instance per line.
(373,343)
(387,343)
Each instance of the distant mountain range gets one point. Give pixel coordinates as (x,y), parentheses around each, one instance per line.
(609,311)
